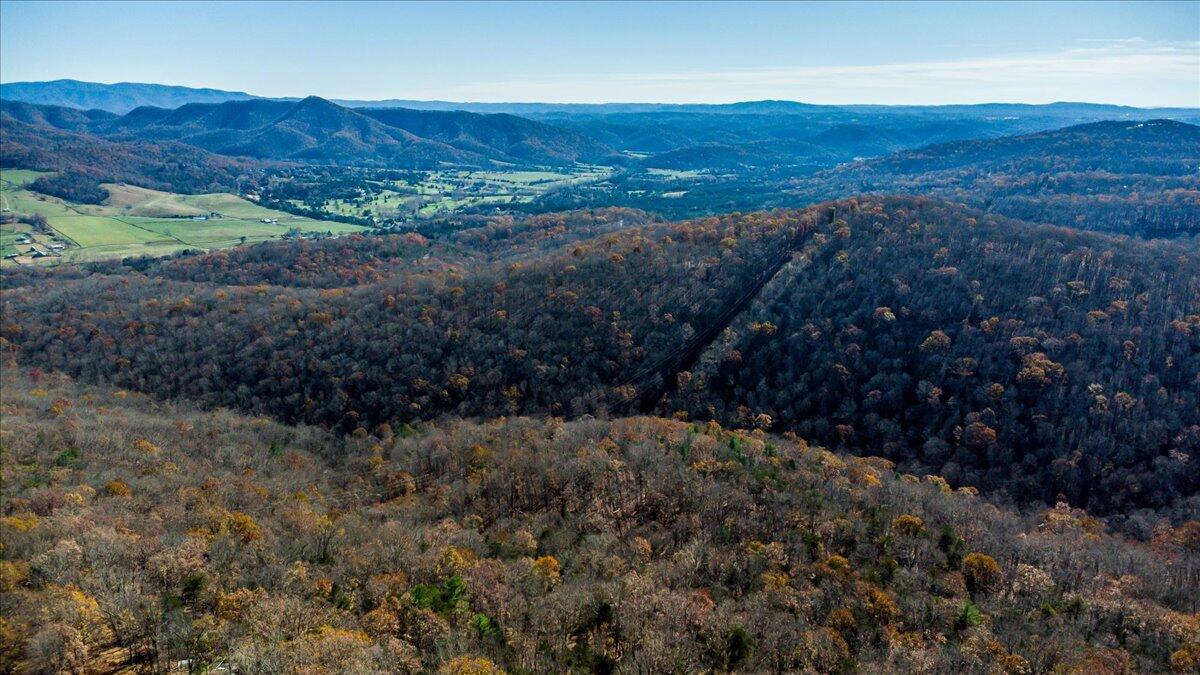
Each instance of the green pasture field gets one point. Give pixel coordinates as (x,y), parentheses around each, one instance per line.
(448,191)
(138,221)
(20,177)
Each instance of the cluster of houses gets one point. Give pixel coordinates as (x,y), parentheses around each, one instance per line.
(36,249)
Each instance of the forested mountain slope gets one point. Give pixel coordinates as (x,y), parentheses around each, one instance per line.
(317,130)
(501,136)
(1033,361)
(144,535)
(59,117)
(1139,178)
(357,260)
(85,160)
(309,130)
(564,333)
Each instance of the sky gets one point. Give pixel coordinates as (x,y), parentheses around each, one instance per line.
(1135,53)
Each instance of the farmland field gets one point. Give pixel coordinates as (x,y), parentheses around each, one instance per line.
(429,193)
(138,221)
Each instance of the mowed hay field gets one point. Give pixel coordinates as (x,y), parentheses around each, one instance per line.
(137,221)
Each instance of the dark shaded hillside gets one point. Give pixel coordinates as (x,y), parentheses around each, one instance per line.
(1137,178)
(308,130)
(197,118)
(566,333)
(1026,360)
(508,237)
(517,138)
(1030,360)
(86,160)
(337,262)
(359,260)
(143,534)
(59,117)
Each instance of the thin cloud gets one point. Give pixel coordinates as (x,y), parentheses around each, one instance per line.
(1133,71)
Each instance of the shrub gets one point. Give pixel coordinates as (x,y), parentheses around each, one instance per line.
(443,598)
(546,568)
(117,488)
(981,572)
(243,527)
(1186,659)
(968,616)
(908,525)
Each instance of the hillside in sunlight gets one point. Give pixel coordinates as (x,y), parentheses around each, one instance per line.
(142,534)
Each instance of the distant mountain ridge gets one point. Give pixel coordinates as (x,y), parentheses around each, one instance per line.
(767,107)
(123,97)
(120,97)
(402,133)
(316,130)
(312,130)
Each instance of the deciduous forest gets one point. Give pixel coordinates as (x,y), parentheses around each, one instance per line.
(310,386)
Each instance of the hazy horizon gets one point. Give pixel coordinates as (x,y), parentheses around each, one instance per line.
(595,103)
(1136,54)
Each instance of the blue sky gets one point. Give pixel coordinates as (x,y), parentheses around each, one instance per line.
(1130,53)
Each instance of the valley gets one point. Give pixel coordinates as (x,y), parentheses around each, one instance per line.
(312,385)
(397,199)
